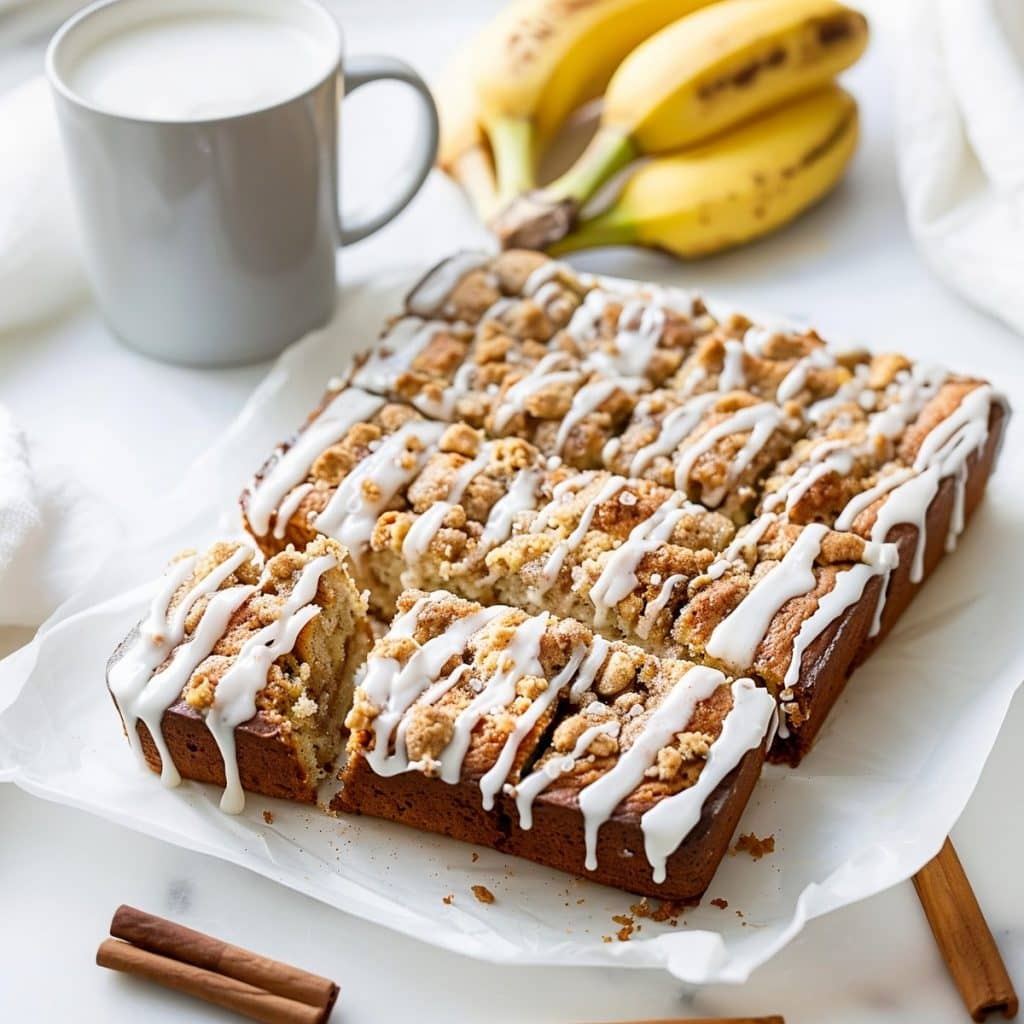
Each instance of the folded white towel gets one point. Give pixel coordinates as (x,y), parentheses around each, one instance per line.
(41,271)
(52,532)
(960,135)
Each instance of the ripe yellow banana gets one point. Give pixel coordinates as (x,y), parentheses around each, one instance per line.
(692,80)
(463,151)
(735,187)
(541,59)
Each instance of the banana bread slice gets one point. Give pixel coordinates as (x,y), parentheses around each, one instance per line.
(241,673)
(533,735)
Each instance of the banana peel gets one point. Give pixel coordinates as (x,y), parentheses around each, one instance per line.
(735,188)
(690,82)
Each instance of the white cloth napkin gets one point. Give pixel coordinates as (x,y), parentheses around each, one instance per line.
(52,532)
(41,270)
(960,136)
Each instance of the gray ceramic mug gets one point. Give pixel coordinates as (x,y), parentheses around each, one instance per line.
(212,240)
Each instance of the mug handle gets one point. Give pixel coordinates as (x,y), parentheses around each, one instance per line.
(360,71)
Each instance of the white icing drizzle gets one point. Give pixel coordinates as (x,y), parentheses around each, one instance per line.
(546,293)
(543,375)
(583,322)
(346,409)
(567,487)
(747,536)
(288,508)
(599,800)
(942,442)
(443,407)
(671,820)
(848,587)
(395,352)
(827,457)
(520,658)
(755,338)
(736,638)
(494,778)
(793,383)
(553,566)
(429,297)
(944,452)
(520,497)
(908,394)
(599,648)
(638,331)
(859,502)
(425,528)
(547,273)
(143,693)
(351,513)
(655,608)
(696,375)
(908,503)
(234,699)
(761,420)
(528,789)
(589,398)
(394,688)
(732,375)
(618,577)
(672,430)
(850,391)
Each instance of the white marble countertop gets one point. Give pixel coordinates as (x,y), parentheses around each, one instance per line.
(848,266)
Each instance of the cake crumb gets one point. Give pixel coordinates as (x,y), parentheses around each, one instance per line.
(482,893)
(606,938)
(476,856)
(666,912)
(720,903)
(757,848)
(627,928)
(449,899)
(268,817)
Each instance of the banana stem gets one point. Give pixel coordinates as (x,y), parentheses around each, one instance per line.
(512,145)
(610,228)
(473,170)
(609,151)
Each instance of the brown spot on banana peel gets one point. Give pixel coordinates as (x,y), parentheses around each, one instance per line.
(817,151)
(534,221)
(826,32)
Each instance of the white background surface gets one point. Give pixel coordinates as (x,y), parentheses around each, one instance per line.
(129,427)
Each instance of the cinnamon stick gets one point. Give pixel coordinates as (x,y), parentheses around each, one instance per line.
(774,1019)
(229,993)
(963,936)
(169,939)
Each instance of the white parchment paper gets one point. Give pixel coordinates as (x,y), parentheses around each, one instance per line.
(887,779)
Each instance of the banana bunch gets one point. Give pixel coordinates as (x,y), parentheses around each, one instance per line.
(721,116)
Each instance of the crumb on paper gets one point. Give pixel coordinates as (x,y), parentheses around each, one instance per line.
(482,893)
(757,848)
(580,902)
(476,856)
(720,903)
(268,817)
(627,928)
(449,899)
(606,938)
(666,912)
